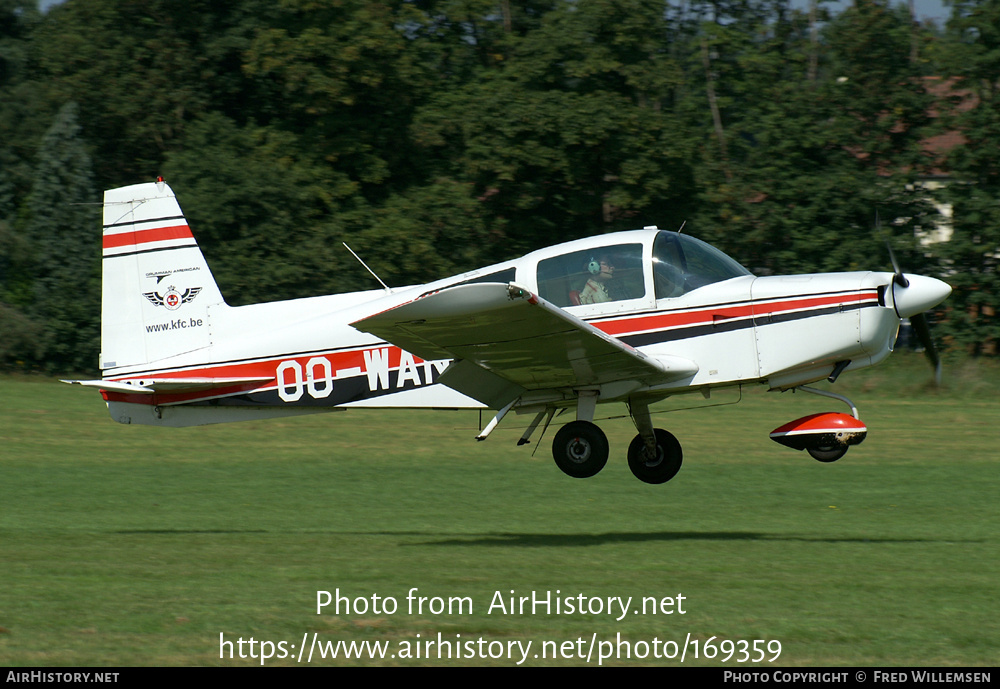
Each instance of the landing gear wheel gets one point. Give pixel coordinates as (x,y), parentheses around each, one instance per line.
(661,468)
(580,449)
(827,453)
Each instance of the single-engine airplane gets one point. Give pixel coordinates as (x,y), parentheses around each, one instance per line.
(631,317)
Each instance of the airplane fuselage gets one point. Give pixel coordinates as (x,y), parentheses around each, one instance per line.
(303,355)
(626,317)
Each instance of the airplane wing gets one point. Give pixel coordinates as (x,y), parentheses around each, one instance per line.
(515,339)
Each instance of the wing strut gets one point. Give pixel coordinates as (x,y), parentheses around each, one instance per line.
(485,433)
(526,436)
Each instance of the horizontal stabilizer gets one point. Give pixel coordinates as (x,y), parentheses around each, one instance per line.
(152,385)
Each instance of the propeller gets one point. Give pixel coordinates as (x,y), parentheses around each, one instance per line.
(912,297)
(923,330)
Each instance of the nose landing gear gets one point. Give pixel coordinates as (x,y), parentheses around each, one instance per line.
(825,436)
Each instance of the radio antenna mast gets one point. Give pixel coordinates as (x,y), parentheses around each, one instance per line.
(387,288)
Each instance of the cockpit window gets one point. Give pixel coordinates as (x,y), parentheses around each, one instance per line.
(593,276)
(682,264)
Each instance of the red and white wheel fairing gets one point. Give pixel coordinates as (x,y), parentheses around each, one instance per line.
(823,429)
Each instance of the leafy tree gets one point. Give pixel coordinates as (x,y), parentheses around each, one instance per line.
(426,233)
(973,252)
(260,210)
(21,334)
(62,228)
(883,103)
(811,161)
(568,134)
(140,70)
(17,20)
(348,79)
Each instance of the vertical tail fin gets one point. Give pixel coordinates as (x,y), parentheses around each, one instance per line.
(157,287)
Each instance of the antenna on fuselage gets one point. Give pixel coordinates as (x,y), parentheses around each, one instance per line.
(387,288)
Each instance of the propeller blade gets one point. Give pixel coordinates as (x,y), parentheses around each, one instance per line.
(923,331)
(912,302)
(898,276)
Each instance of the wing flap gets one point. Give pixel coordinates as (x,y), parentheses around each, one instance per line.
(517,336)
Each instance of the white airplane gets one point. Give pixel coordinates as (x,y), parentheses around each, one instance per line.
(631,317)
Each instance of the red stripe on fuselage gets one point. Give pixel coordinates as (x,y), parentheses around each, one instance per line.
(354,358)
(265,368)
(666,321)
(157,234)
(680,319)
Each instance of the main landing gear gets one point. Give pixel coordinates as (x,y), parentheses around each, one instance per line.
(656,465)
(654,455)
(581,449)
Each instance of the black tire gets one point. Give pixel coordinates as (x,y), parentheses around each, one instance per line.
(664,466)
(580,449)
(827,453)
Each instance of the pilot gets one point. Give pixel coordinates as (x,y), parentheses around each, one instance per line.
(598,288)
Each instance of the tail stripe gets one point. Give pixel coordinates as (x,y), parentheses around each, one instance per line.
(148,221)
(140,237)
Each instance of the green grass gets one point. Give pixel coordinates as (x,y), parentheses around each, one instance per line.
(126,545)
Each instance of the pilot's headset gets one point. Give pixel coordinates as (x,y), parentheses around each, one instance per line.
(594,267)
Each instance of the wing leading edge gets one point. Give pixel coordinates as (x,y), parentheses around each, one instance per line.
(517,341)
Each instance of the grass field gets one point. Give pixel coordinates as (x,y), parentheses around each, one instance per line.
(128,545)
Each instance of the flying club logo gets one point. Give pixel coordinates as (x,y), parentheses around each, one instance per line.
(172,299)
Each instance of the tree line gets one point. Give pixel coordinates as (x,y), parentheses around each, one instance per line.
(435,136)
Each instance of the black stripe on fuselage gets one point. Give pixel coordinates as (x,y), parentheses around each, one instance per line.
(685,332)
(345,390)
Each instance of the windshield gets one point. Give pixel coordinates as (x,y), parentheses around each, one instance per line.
(682,264)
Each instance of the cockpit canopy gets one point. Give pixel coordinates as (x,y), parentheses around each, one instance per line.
(682,264)
(616,272)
